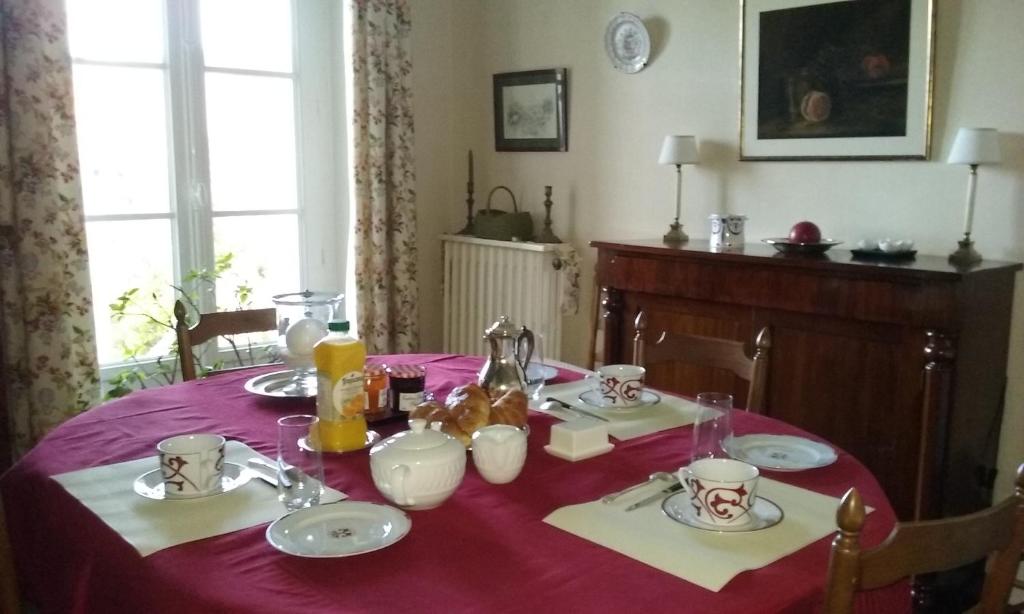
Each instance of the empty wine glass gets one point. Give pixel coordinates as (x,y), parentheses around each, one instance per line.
(535,368)
(712,428)
(300,468)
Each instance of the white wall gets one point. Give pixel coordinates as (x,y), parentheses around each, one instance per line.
(609,185)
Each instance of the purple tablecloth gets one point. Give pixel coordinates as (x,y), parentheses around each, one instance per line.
(485,549)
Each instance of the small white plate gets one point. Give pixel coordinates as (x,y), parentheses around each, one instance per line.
(569,456)
(372,437)
(151,483)
(781,452)
(339,529)
(278,385)
(545,370)
(593,398)
(627,43)
(765,514)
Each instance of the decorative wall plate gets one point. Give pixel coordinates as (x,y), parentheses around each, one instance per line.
(627,42)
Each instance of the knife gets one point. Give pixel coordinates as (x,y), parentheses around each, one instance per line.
(578,410)
(655,497)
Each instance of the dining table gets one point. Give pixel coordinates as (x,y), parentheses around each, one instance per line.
(485,549)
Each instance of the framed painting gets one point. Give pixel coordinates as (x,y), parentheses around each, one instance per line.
(836,80)
(530,111)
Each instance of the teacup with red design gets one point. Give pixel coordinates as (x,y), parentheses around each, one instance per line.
(722,490)
(619,385)
(191,465)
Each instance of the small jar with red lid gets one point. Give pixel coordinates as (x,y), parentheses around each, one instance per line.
(406,387)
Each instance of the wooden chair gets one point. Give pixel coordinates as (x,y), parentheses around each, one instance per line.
(725,354)
(915,548)
(213,325)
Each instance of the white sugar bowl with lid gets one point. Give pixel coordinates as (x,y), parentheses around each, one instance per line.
(418,469)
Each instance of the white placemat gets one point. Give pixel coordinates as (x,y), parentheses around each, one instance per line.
(705,558)
(669,413)
(151,525)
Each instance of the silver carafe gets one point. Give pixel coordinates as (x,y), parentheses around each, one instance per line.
(510,352)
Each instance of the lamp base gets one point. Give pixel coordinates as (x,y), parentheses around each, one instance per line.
(675,234)
(965,255)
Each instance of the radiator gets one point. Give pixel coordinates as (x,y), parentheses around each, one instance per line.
(486,279)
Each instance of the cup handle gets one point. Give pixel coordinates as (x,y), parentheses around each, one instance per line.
(594,380)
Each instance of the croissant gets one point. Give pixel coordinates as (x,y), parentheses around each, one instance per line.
(510,409)
(431,411)
(469,406)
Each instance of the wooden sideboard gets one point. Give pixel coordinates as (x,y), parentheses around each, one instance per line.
(901,364)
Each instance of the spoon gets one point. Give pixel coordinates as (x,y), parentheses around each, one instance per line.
(553,403)
(657,475)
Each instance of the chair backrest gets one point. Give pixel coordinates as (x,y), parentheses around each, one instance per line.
(713,352)
(213,325)
(929,546)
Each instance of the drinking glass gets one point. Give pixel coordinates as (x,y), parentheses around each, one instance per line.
(712,428)
(535,368)
(300,469)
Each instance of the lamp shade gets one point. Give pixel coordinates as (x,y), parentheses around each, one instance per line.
(975,146)
(678,149)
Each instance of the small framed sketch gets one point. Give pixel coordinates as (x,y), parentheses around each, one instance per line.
(828,80)
(530,111)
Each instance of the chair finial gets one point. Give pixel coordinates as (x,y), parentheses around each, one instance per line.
(850,515)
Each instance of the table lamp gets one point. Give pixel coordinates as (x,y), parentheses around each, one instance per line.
(678,150)
(972,146)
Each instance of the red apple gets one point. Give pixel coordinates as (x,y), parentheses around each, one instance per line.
(805,232)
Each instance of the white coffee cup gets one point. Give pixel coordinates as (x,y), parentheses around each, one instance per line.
(619,385)
(722,490)
(191,465)
(499,452)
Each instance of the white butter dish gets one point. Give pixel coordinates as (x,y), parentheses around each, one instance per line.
(579,439)
(578,456)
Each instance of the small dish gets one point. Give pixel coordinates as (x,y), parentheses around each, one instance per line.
(578,456)
(372,437)
(278,385)
(786,246)
(627,43)
(151,483)
(339,529)
(594,399)
(765,514)
(781,452)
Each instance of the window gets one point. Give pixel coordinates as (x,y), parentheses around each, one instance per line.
(211,139)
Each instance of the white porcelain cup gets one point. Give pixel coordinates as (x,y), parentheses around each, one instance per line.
(499,452)
(619,385)
(722,490)
(192,465)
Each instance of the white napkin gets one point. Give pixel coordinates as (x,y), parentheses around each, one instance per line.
(150,525)
(705,558)
(668,413)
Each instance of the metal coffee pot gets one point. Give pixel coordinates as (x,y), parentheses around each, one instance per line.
(511,349)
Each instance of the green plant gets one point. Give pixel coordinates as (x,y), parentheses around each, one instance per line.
(148,310)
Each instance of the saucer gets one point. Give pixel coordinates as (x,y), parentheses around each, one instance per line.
(338,529)
(765,514)
(372,437)
(151,483)
(593,398)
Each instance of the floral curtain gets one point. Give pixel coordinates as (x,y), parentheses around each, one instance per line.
(385,195)
(49,349)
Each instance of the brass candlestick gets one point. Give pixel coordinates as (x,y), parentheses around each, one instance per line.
(547,235)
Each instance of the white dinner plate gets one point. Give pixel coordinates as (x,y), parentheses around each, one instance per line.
(781,452)
(594,399)
(339,529)
(151,483)
(279,385)
(533,368)
(765,514)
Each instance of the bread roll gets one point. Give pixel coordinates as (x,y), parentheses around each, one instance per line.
(510,409)
(469,406)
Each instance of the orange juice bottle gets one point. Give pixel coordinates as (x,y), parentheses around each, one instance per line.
(340,399)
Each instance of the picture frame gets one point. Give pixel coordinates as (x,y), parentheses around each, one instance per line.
(530,111)
(836,79)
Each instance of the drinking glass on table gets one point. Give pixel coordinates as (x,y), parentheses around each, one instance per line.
(535,368)
(712,428)
(300,468)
